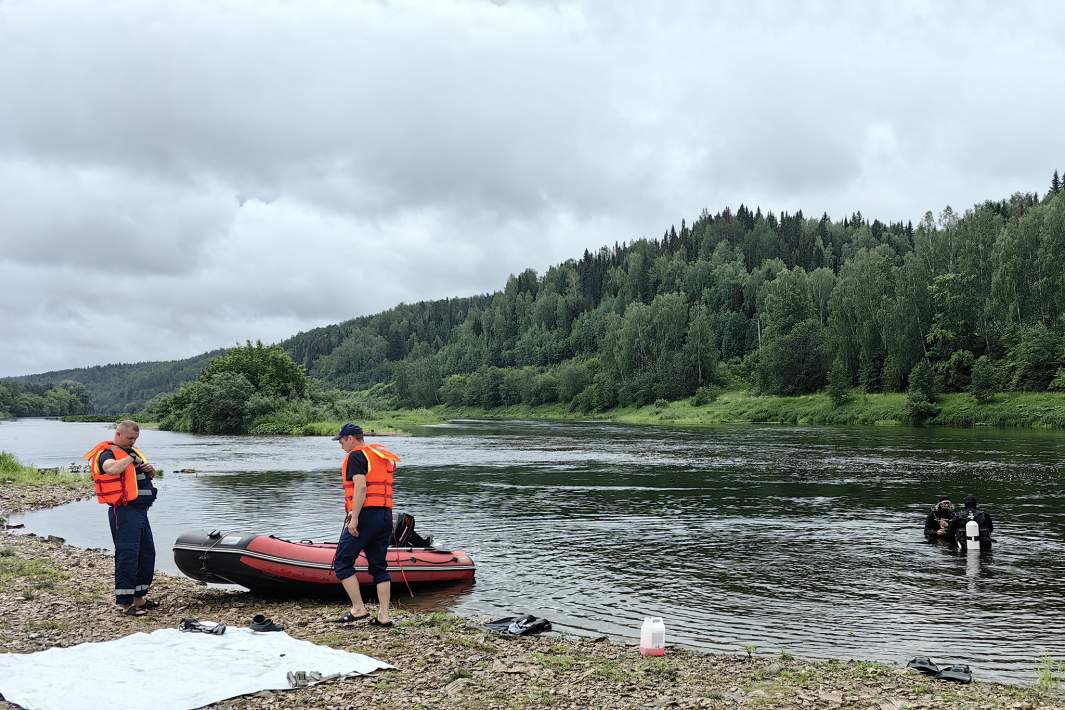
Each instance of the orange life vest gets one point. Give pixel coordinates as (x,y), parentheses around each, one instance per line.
(380,464)
(113,489)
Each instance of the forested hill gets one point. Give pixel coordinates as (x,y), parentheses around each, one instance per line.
(113,389)
(784,300)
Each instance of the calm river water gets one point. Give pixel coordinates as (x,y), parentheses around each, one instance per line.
(798,539)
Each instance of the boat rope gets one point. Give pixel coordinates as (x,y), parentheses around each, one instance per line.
(219,536)
(403,572)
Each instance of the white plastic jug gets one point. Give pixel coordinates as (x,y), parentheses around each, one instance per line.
(972,531)
(653,637)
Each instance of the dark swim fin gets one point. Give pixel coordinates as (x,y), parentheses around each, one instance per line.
(923,664)
(958,673)
(519,625)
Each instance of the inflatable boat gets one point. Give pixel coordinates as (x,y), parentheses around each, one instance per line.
(269,565)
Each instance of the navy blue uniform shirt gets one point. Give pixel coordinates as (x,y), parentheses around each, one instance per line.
(146,492)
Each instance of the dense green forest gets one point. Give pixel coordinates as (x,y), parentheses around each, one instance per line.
(113,389)
(28,399)
(779,303)
(788,304)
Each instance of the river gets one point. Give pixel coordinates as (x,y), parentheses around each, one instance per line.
(804,540)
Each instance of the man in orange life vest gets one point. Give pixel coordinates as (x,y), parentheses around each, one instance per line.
(123,479)
(366,473)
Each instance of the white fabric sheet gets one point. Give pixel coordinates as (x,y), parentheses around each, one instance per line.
(167,670)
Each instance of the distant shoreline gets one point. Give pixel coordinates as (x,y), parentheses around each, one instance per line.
(1027,410)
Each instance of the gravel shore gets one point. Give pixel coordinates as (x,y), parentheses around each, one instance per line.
(53,594)
(50,490)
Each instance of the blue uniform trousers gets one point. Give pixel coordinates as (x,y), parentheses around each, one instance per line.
(134,551)
(375,533)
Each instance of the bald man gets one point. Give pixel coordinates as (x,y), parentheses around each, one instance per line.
(123,479)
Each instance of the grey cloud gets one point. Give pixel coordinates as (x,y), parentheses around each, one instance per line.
(411,100)
(105,219)
(247,157)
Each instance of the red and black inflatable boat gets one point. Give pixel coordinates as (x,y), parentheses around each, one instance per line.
(269,565)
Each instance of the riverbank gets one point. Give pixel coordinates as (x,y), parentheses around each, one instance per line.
(385,423)
(1040,410)
(52,594)
(24,487)
(1008,409)
(107,419)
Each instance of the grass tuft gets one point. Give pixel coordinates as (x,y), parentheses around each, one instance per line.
(1048,674)
(14,472)
(561,662)
(609,670)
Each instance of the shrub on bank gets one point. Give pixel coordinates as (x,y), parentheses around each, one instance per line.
(1007,409)
(14,472)
(10,465)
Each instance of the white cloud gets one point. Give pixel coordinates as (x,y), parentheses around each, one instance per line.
(265,167)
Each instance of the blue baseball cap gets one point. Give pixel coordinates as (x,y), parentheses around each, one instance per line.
(348,430)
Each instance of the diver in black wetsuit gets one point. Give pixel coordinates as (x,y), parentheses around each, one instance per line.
(938,519)
(956,529)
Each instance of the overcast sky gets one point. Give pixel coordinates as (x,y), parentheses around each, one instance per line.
(176,177)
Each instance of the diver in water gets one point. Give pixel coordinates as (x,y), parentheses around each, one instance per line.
(963,534)
(938,519)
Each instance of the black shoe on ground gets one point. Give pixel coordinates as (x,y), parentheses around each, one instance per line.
(261,623)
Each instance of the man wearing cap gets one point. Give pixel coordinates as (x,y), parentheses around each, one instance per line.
(938,519)
(366,473)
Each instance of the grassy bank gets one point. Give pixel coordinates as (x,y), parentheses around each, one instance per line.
(111,419)
(23,487)
(381,423)
(444,661)
(15,473)
(1007,409)
(1010,409)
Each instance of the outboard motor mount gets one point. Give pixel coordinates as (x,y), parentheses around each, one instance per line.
(404,536)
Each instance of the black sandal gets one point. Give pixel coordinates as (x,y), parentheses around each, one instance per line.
(349,617)
(381,624)
(132,610)
(150,604)
(261,623)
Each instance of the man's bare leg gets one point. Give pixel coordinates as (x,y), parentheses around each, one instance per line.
(384,595)
(351,586)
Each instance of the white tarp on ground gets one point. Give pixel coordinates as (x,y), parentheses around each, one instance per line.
(167,670)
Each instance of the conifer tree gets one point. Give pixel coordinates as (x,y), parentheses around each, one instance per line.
(1055,183)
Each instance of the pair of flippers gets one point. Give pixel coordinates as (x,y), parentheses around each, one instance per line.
(303,679)
(199,627)
(957,673)
(519,625)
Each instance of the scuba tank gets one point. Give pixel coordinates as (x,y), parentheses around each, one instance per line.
(972,534)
